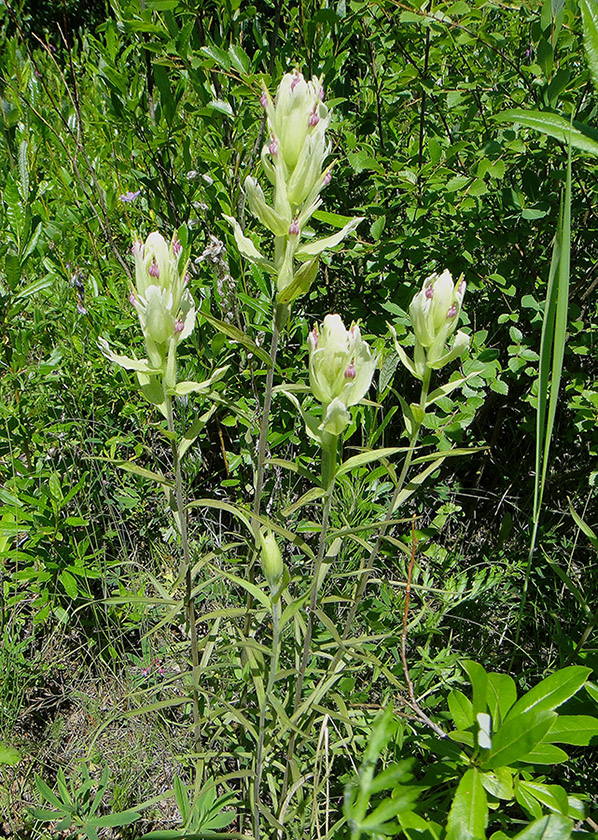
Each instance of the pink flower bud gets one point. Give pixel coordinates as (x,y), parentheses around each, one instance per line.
(137,247)
(132,299)
(452,311)
(264,98)
(186,279)
(176,246)
(327,178)
(350,373)
(461,288)
(315,337)
(429,292)
(179,326)
(153,270)
(295,81)
(321,94)
(273,147)
(313,120)
(294,228)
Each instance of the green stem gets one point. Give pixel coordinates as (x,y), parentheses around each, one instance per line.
(280,314)
(189,605)
(329,449)
(259,761)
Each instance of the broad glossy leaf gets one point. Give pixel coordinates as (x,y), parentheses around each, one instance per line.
(579,730)
(553,691)
(553,827)
(517,737)
(553,797)
(469,810)
(499,783)
(545,754)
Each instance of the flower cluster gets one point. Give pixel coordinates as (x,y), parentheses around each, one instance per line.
(293,160)
(434,313)
(341,366)
(164,304)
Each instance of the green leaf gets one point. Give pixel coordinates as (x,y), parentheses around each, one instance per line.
(517,737)
(414,483)
(502,694)
(181,389)
(545,754)
(553,827)
(553,691)
(498,783)
(479,682)
(112,820)
(9,755)
(553,797)
(582,136)
(578,730)
(367,457)
(589,14)
(461,709)
(69,583)
(402,800)
(469,810)
(237,335)
(130,466)
(316,246)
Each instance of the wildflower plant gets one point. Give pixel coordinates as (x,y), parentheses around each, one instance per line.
(289,687)
(294,162)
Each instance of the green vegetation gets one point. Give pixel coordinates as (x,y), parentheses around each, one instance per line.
(298,420)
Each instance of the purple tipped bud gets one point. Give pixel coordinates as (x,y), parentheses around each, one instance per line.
(327,178)
(461,288)
(350,373)
(186,280)
(132,299)
(429,292)
(137,247)
(179,326)
(176,246)
(273,147)
(153,270)
(321,94)
(264,99)
(294,228)
(295,81)
(315,337)
(313,120)
(452,311)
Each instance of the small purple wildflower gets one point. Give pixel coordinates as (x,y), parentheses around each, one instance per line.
(129,197)
(452,311)
(350,373)
(294,228)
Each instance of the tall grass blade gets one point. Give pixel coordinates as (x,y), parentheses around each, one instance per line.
(552,352)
